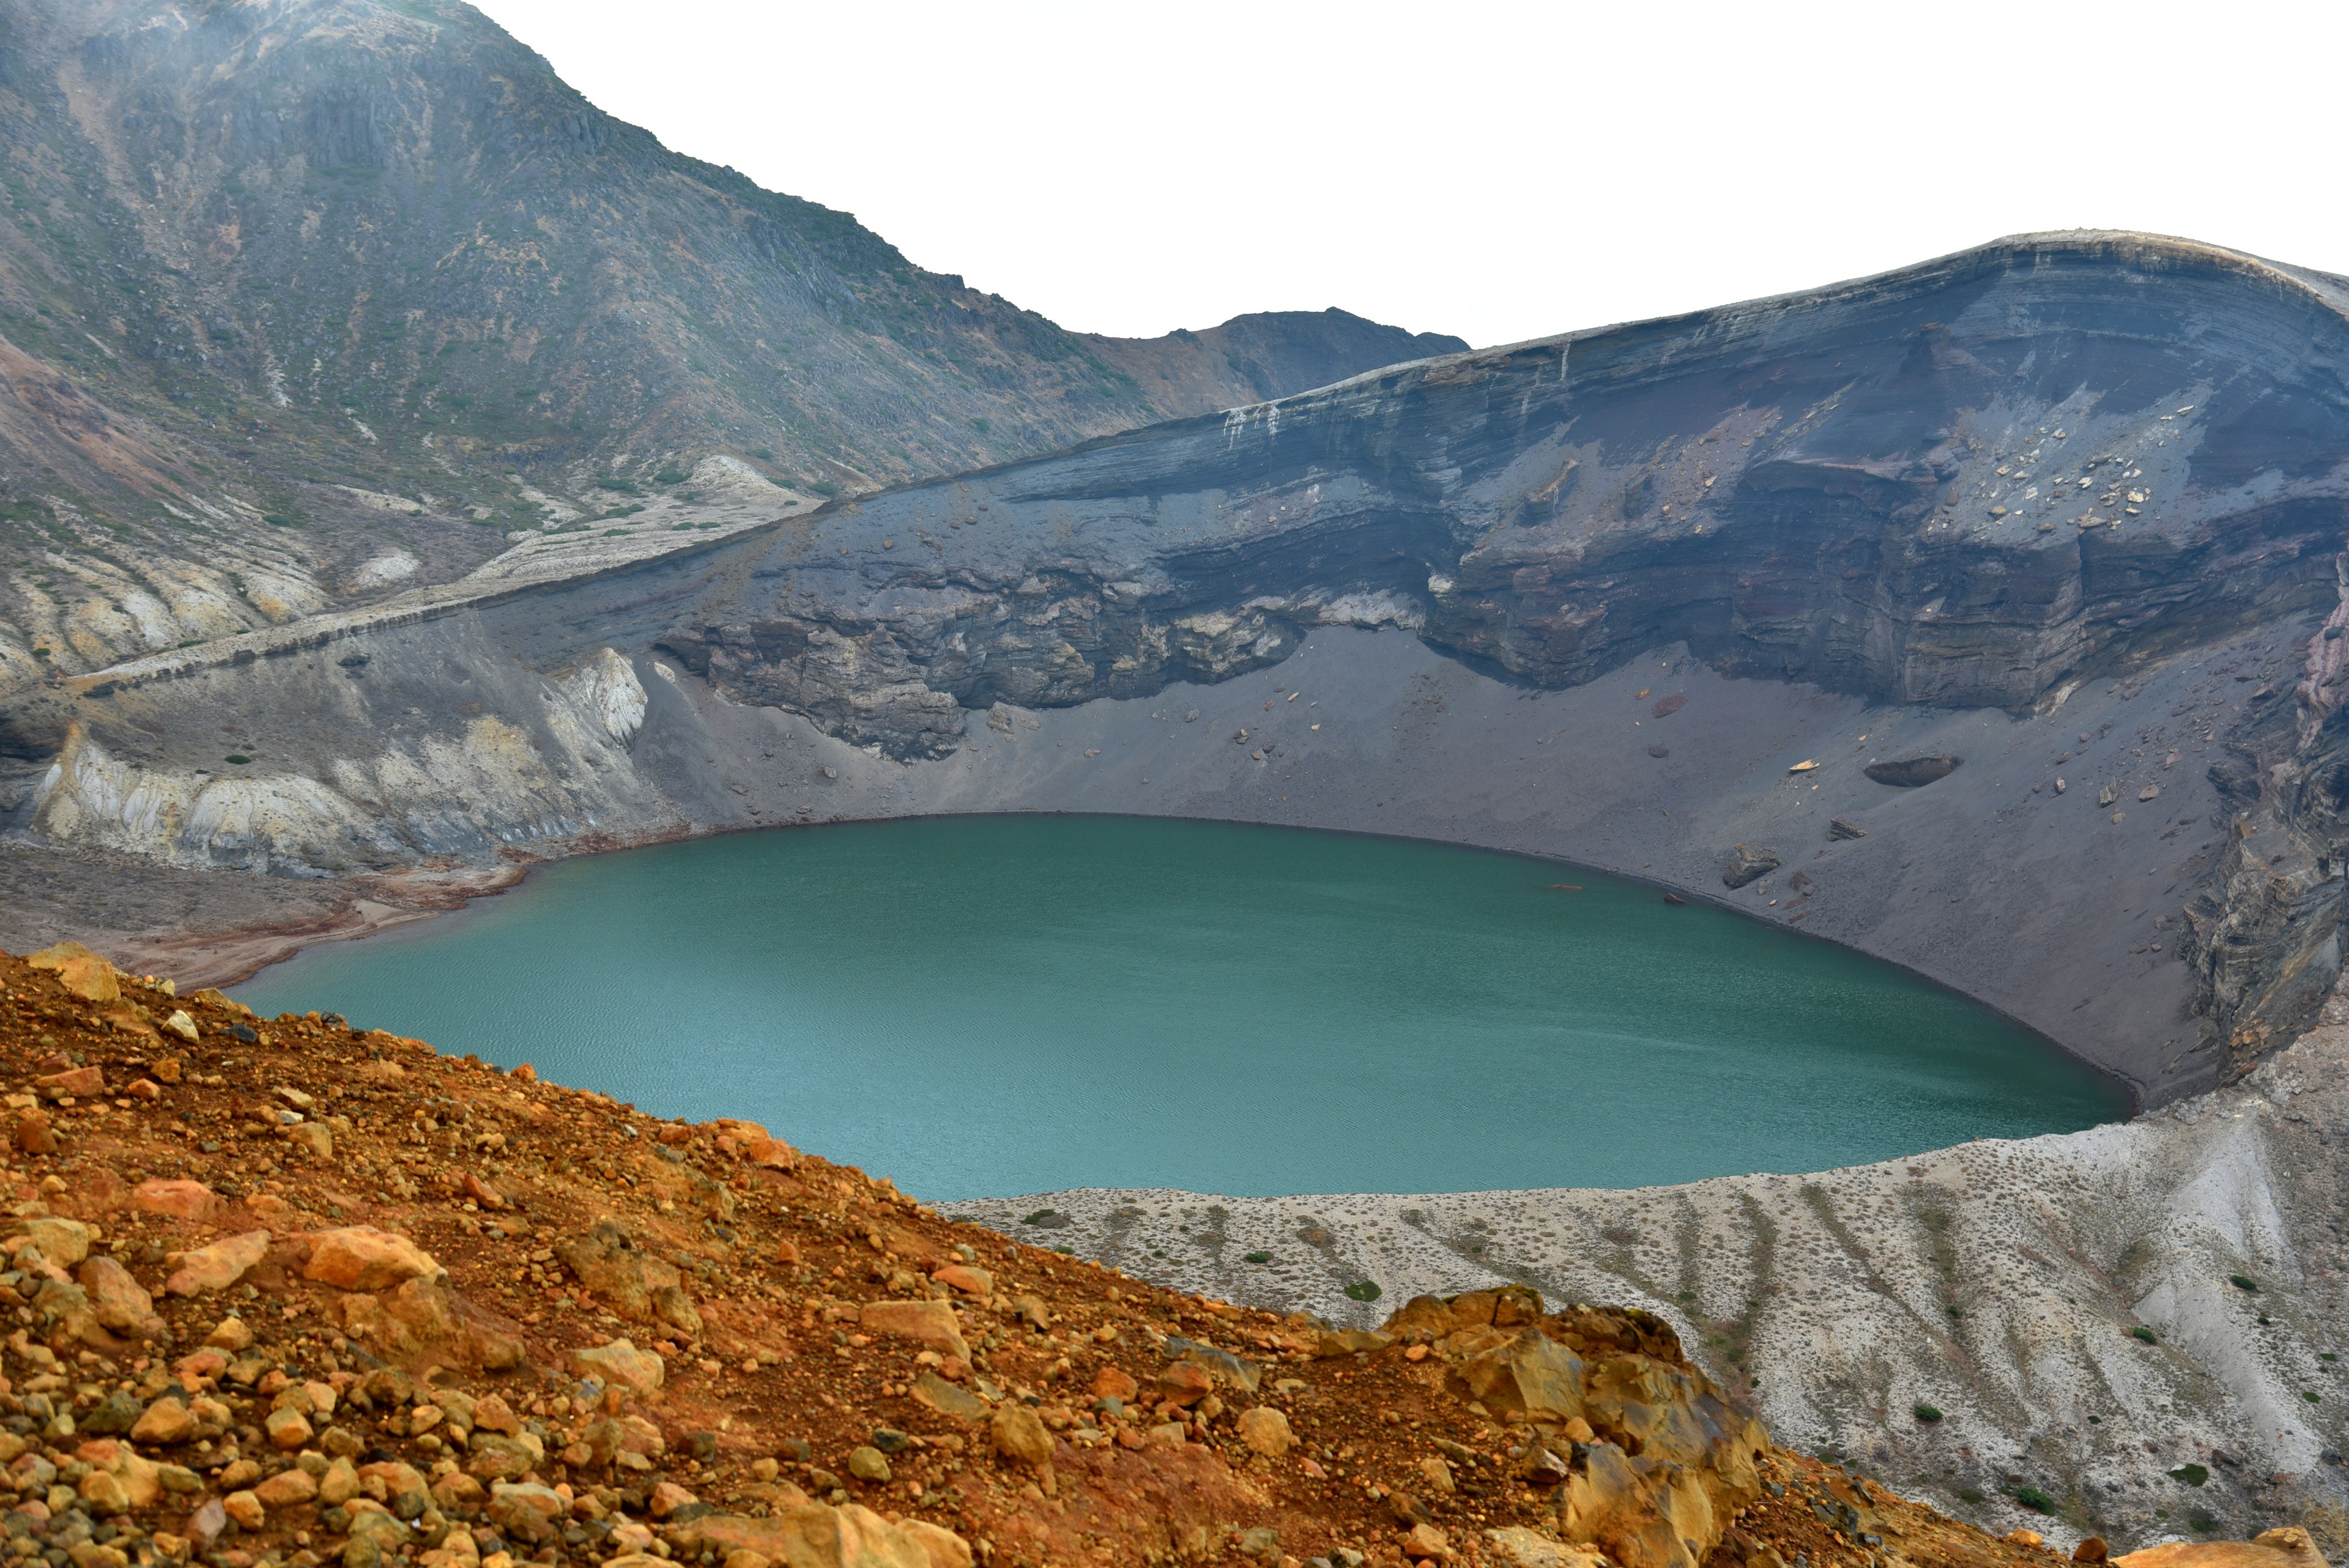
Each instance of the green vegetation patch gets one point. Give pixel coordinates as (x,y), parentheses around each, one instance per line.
(1926,1413)
(1259,1257)
(1363,1291)
(2243,1282)
(2191,1474)
(2143,1332)
(2031,1498)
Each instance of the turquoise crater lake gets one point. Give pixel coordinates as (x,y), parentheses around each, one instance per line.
(990,1005)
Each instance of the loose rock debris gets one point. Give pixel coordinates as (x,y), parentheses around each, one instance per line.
(286,1291)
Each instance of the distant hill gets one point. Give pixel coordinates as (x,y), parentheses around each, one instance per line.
(304,300)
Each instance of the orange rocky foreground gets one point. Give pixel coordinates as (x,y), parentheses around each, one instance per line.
(284,1293)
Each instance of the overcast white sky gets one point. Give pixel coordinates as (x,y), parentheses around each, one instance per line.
(1496,169)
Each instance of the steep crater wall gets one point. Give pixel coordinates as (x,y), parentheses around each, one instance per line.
(1990,484)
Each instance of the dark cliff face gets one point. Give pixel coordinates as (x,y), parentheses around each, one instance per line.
(286,285)
(1966,485)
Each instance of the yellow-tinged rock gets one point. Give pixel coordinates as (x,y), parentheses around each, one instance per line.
(120,1302)
(288,1429)
(177,1199)
(286,1488)
(218,1266)
(166,1421)
(930,1322)
(1519,1547)
(620,1365)
(2291,1547)
(362,1257)
(1425,1543)
(1017,1433)
(964,1277)
(340,1484)
(64,1242)
(80,971)
(104,1494)
(1266,1431)
(946,1549)
(848,1537)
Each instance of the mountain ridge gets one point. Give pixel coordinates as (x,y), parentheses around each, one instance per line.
(304,299)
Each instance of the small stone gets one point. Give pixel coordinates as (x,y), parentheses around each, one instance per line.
(120,1302)
(340,1484)
(621,1364)
(111,1416)
(246,1509)
(931,1322)
(104,1494)
(493,1414)
(286,1488)
(310,1138)
(1426,1543)
(1114,1383)
(362,1257)
(1266,1431)
(867,1463)
(1747,863)
(288,1429)
(166,1421)
(668,1497)
(76,1083)
(969,1281)
(218,1266)
(1184,1383)
(949,1400)
(176,1200)
(2026,1538)
(181,1024)
(231,1334)
(2094,1549)
(1017,1433)
(33,1134)
(1437,1472)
